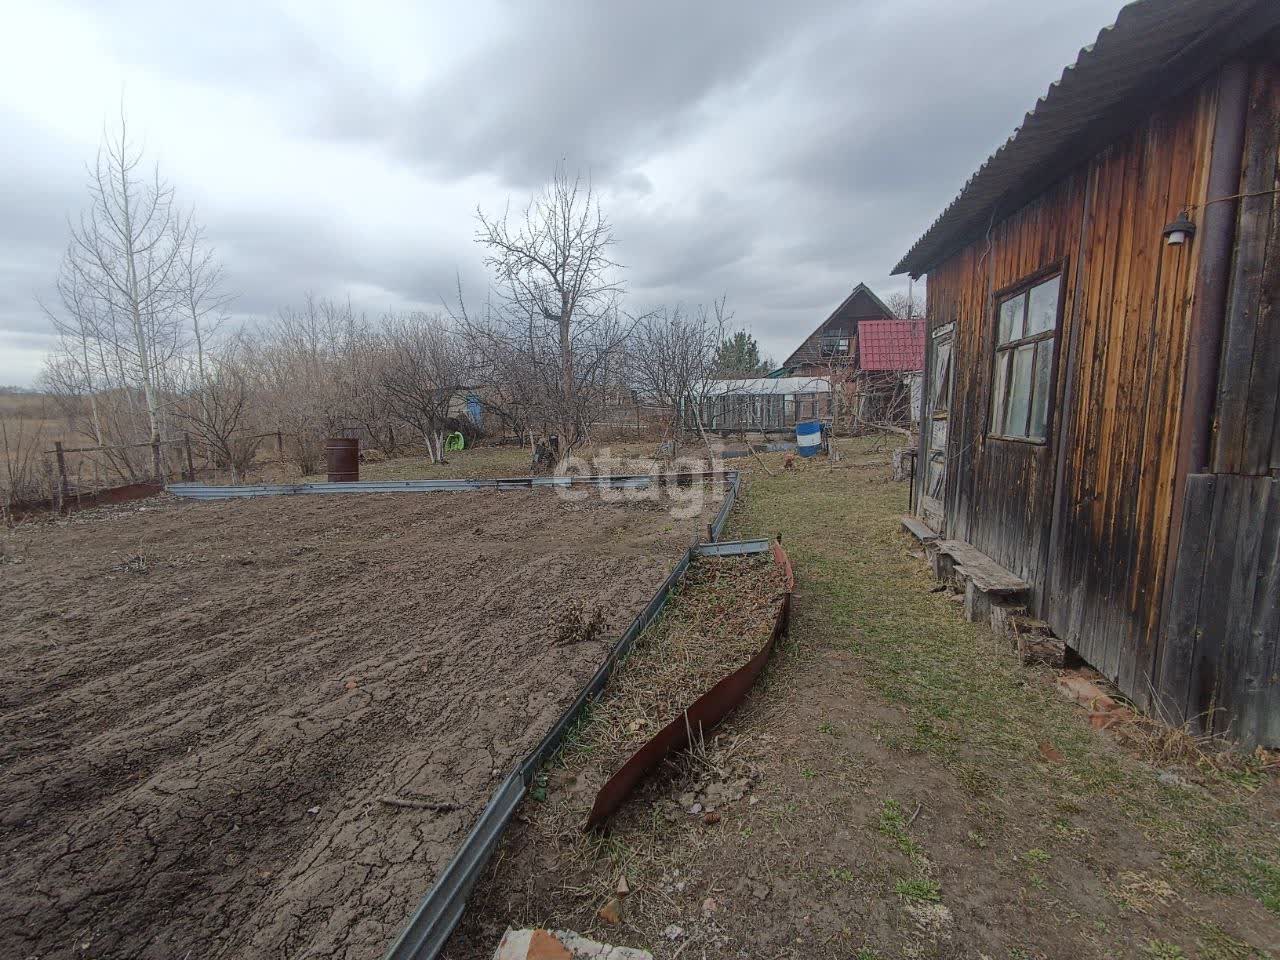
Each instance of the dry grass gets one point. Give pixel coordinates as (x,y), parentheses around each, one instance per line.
(1206,758)
(721,614)
(719,617)
(895,761)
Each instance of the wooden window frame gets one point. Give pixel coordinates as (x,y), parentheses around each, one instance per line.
(999,350)
(833,342)
(929,413)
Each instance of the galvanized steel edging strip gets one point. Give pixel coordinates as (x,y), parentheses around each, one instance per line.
(204,491)
(731,548)
(441,909)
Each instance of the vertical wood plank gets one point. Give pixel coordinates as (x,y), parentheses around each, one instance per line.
(1244,330)
(1254,698)
(1180,641)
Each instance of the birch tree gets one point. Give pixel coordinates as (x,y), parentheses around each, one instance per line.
(200,295)
(126,254)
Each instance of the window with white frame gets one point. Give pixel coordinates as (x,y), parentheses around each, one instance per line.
(1026,329)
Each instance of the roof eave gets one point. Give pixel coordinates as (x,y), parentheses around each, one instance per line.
(1200,53)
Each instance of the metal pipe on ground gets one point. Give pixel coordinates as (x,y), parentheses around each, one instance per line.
(202,491)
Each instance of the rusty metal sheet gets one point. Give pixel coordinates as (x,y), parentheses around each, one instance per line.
(703,714)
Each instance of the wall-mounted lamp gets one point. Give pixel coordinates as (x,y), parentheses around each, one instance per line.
(1180,231)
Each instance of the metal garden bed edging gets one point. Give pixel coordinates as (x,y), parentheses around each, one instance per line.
(441,909)
(711,707)
(205,491)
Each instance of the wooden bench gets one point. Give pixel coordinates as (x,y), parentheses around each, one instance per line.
(918,529)
(983,579)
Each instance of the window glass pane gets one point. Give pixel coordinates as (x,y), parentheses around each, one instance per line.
(938,436)
(940,381)
(1042,314)
(1040,397)
(1011,318)
(1019,391)
(934,477)
(997,395)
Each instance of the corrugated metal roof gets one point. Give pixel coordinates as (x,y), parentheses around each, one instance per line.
(891,345)
(1146,37)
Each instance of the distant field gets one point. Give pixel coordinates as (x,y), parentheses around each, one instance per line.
(28,425)
(34,410)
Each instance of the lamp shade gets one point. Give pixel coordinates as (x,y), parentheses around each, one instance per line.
(1179,231)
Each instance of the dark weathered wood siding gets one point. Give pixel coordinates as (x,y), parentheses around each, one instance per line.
(1248,422)
(1218,665)
(1219,652)
(1104,476)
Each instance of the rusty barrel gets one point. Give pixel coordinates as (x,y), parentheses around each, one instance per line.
(343,457)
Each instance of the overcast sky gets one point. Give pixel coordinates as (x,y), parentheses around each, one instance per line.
(777,153)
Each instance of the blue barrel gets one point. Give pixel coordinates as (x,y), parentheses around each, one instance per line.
(808,437)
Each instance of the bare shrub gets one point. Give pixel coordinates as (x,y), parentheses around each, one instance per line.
(422,364)
(213,405)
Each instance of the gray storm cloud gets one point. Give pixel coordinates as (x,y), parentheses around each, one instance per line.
(775,153)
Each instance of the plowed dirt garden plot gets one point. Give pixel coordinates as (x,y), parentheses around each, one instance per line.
(260,728)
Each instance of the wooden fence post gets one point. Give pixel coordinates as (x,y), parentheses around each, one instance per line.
(191,464)
(280,446)
(64,488)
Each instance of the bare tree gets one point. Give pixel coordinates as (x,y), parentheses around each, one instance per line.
(673,356)
(294,363)
(905,304)
(79,367)
(557,293)
(125,254)
(200,293)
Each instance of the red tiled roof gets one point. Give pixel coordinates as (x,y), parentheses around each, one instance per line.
(891,344)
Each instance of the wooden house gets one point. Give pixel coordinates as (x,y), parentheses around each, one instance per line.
(868,354)
(1103,361)
(835,341)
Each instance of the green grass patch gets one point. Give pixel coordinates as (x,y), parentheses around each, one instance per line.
(921,889)
(973,706)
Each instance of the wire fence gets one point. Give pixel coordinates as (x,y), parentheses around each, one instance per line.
(80,476)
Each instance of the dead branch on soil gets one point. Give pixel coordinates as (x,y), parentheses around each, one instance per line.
(411,804)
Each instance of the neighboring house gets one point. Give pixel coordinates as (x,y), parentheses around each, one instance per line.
(835,342)
(865,351)
(1103,375)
